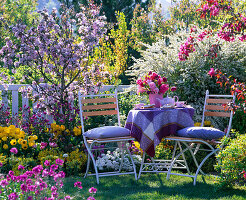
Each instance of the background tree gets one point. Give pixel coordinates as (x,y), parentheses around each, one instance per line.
(141,28)
(57,58)
(113,52)
(184,12)
(12,12)
(109,8)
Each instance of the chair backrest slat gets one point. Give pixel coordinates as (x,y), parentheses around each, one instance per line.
(99,100)
(98,113)
(214,107)
(223,101)
(97,107)
(217,114)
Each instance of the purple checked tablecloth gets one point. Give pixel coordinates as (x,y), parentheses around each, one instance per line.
(148,127)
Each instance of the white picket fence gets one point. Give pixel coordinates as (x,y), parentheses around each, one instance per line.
(11,96)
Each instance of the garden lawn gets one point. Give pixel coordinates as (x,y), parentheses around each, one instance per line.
(152,186)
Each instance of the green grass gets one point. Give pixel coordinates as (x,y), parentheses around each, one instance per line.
(152,186)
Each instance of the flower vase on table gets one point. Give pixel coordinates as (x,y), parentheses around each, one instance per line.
(155,86)
(155,99)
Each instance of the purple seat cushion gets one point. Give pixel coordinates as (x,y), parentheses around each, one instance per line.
(206,133)
(107,132)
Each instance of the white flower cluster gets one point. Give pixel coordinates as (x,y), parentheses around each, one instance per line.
(111,161)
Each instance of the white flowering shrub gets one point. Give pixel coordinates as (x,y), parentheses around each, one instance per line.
(111,161)
(191,76)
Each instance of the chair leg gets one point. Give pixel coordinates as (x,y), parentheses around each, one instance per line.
(174,150)
(187,167)
(193,155)
(88,165)
(133,164)
(173,162)
(201,164)
(141,167)
(197,148)
(94,162)
(121,155)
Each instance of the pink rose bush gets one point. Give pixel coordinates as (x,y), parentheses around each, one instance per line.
(236,26)
(39,183)
(153,84)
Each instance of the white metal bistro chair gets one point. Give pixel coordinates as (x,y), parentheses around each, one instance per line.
(101,105)
(190,139)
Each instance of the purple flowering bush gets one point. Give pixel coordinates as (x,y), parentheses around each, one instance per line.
(42,182)
(56,55)
(56,60)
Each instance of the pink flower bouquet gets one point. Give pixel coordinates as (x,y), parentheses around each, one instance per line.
(153,84)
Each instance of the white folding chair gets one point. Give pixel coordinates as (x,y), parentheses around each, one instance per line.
(101,105)
(213,106)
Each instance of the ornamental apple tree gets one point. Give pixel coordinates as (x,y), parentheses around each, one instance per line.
(56,57)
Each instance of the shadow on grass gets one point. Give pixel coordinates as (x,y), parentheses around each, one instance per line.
(152,186)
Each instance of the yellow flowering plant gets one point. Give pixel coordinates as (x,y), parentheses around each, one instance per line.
(164,149)
(63,137)
(75,162)
(49,154)
(206,124)
(12,136)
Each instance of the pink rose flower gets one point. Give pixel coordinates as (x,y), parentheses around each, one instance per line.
(154,76)
(211,72)
(163,88)
(152,86)
(140,89)
(173,89)
(91,198)
(140,82)
(53,144)
(160,80)
(164,79)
